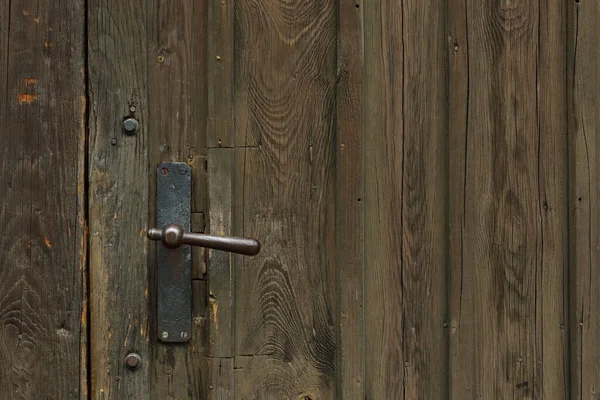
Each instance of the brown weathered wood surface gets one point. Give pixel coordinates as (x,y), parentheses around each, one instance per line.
(42,196)
(383,133)
(349,204)
(285,184)
(584,197)
(441,199)
(508,200)
(119,180)
(423,177)
(147,62)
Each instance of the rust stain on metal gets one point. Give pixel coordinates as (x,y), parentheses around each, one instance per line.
(25,98)
(37,19)
(25,12)
(30,81)
(48,242)
(48,43)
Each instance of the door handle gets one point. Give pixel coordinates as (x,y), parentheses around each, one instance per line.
(173,259)
(173,236)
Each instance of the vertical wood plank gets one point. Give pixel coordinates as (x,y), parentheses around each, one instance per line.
(510,162)
(461,324)
(220,275)
(220,263)
(383,142)
(285,100)
(424,194)
(349,211)
(220,62)
(552,283)
(508,243)
(42,257)
(176,132)
(405,164)
(118,197)
(220,174)
(584,197)
(148,64)
(220,379)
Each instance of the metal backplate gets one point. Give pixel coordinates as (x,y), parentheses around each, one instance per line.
(174,286)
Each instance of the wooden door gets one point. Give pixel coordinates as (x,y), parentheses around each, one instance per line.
(421,174)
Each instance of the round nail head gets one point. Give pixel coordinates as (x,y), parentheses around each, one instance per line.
(131,126)
(133,361)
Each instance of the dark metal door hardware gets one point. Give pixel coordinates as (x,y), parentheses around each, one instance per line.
(174,287)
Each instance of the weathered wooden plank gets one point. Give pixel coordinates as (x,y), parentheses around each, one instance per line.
(461,288)
(584,197)
(349,186)
(42,262)
(424,194)
(383,143)
(405,164)
(512,250)
(533,269)
(118,198)
(220,264)
(177,102)
(220,378)
(220,175)
(147,64)
(220,275)
(220,64)
(552,293)
(286,296)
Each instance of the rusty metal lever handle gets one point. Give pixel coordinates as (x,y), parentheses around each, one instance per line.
(173,236)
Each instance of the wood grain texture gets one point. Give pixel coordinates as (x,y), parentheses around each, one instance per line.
(552,282)
(220,378)
(383,132)
(285,297)
(349,193)
(584,195)
(220,58)
(42,262)
(118,198)
(221,270)
(176,131)
(146,63)
(460,285)
(405,189)
(424,200)
(508,232)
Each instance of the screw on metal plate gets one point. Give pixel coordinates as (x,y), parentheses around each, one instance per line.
(133,361)
(131,126)
(184,334)
(165,335)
